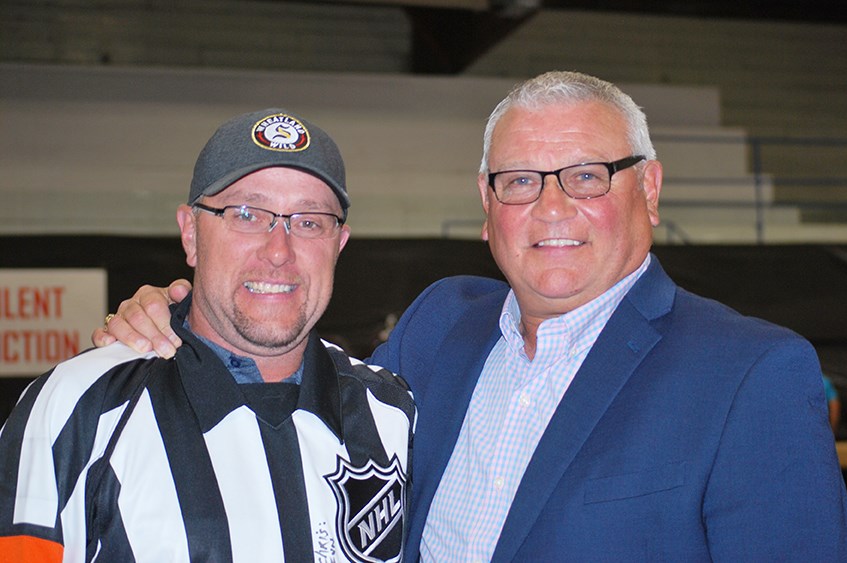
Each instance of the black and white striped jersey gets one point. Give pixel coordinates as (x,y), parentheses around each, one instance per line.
(204,469)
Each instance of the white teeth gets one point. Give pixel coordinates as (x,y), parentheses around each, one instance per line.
(559,242)
(260,287)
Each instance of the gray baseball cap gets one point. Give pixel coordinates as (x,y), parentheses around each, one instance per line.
(265,139)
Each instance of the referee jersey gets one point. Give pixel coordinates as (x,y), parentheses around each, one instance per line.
(200,468)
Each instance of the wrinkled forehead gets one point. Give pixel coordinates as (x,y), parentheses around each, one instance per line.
(560,130)
(568,115)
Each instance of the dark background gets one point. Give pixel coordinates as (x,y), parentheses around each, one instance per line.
(803,287)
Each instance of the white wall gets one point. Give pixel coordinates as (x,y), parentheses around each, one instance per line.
(110,150)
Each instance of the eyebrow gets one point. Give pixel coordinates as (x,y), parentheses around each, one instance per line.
(253,199)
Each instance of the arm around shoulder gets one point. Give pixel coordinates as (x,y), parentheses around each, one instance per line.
(142,322)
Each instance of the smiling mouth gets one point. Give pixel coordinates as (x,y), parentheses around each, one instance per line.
(559,242)
(268,288)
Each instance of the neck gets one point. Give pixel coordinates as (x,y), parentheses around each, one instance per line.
(279,368)
(274,365)
(529,332)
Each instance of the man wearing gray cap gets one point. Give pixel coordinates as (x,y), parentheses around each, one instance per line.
(591,409)
(258,441)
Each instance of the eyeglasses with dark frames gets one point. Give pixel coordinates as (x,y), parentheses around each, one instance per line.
(586,180)
(255,220)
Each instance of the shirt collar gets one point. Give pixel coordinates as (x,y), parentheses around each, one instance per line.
(242,368)
(214,393)
(574,323)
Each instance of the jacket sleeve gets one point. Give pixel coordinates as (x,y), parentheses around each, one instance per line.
(776,489)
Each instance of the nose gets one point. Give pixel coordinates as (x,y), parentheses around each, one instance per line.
(553,204)
(277,248)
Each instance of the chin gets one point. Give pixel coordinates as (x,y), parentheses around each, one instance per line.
(271,341)
(564,282)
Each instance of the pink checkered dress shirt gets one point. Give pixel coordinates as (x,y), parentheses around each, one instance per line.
(511,405)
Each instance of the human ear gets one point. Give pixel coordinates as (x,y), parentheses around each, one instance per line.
(651,184)
(345,235)
(484,193)
(188,233)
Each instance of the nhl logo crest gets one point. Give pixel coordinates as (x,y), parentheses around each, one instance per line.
(371,510)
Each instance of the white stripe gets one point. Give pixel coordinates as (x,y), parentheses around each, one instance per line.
(236,448)
(148,502)
(37,495)
(319,450)
(393,427)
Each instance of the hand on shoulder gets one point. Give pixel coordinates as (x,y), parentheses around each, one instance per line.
(143,322)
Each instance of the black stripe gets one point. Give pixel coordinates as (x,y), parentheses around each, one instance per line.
(389,389)
(196,485)
(10,444)
(283,454)
(360,431)
(73,445)
(107,522)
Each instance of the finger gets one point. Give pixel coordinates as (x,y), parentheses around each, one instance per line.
(178,290)
(101,338)
(124,332)
(134,327)
(150,315)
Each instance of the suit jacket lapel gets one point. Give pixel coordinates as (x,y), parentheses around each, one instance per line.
(622,345)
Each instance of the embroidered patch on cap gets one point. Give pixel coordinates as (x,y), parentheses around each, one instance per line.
(281,132)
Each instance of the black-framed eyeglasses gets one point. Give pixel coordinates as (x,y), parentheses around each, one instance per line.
(255,220)
(579,181)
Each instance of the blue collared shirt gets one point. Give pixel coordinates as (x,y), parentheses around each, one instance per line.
(243,369)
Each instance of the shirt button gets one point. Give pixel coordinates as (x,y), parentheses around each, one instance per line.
(524,400)
(498,483)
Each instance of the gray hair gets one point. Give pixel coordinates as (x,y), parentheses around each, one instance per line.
(563,86)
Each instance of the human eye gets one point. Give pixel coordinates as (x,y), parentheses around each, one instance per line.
(590,173)
(310,224)
(516,183)
(247,218)
(585,175)
(586,180)
(519,179)
(242,214)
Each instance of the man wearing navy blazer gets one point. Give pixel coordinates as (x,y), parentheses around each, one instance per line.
(591,409)
(677,430)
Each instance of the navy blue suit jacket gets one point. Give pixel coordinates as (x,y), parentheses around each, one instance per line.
(689,433)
